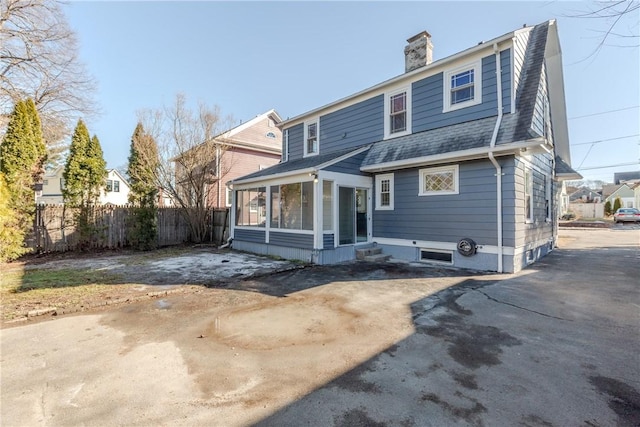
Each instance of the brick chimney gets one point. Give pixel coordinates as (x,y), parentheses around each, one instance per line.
(419,51)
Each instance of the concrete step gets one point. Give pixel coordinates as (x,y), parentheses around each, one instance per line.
(377,258)
(362,253)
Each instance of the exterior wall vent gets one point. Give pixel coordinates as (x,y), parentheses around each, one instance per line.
(434,255)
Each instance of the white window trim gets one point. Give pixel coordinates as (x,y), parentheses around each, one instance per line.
(528,190)
(477,86)
(285,151)
(306,132)
(387,112)
(226,196)
(547,195)
(379,179)
(456,180)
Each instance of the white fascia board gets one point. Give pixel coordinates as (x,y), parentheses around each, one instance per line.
(248,124)
(456,156)
(242,183)
(249,146)
(406,78)
(557,102)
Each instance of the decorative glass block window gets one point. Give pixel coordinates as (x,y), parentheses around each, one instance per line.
(461,88)
(311,138)
(398,113)
(440,180)
(384,190)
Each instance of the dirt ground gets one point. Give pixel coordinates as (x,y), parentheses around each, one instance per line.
(96,280)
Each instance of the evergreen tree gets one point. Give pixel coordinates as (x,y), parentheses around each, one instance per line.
(617,204)
(84,177)
(38,141)
(85,171)
(97,169)
(22,155)
(143,168)
(142,171)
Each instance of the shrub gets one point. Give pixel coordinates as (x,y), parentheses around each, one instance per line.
(607,208)
(617,204)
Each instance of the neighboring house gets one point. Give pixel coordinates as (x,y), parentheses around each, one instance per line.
(626,194)
(585,195)
(116,189)
(52,184)
(455,162)
(248,147)
(621,177)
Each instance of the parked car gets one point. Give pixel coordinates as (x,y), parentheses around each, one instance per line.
(627,215)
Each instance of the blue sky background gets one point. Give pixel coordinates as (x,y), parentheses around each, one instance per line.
(249,57)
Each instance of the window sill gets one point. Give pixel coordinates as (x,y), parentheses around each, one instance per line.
(384,208)
(397,134)
(439,193)
(461,105)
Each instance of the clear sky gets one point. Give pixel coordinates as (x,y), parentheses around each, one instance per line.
(249,57)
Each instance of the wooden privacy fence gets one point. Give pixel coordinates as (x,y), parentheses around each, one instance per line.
(56,228)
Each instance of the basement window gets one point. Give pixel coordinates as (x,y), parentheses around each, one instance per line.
(433,255)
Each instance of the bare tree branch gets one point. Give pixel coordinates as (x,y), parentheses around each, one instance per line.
(194,158)
(39,60)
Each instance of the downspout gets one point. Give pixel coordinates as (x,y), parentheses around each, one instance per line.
(494,138)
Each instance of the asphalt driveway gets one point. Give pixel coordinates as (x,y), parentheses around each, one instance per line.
(352,345)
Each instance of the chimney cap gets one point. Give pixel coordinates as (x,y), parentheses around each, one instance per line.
(419,35)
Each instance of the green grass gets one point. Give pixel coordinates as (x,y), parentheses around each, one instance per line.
(22,290)
(29,280)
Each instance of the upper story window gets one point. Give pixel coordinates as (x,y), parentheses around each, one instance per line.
(311,138)
(462,87)
(271,135)
(113,185)
(397,111)
(440,180)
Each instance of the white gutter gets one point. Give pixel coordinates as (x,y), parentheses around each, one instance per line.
(494,138)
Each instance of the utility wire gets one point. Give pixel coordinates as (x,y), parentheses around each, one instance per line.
(608,166)
(604,112)
(604,140)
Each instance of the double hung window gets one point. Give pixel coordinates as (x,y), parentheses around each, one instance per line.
(311,138)
(462,87)
(397,111)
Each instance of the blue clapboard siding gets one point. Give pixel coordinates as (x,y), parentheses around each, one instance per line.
(293,240)
(327,241)
(296,136)
(255,236)
(428,97)
(505,65)
(446,218)
(350,165)
(353,126)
